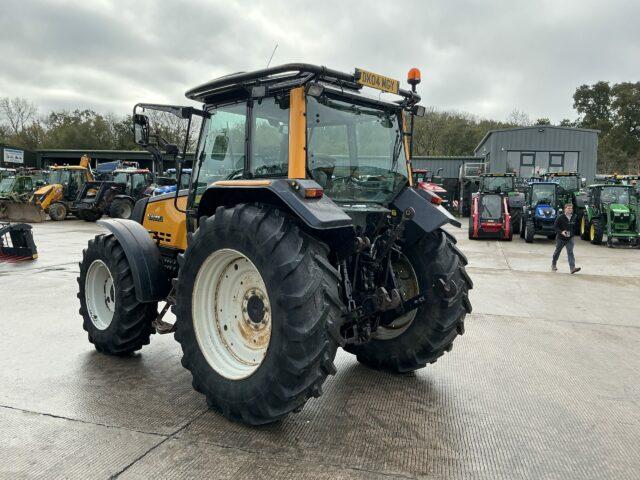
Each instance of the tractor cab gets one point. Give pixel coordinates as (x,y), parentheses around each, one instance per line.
(134,181)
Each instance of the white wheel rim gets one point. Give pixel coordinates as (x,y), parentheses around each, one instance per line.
(125,210)
(231,314)
(407,282)
(100,295)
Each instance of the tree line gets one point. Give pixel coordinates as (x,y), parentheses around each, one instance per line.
(612,109)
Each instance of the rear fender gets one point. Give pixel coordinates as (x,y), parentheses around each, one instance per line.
(428,216)
(149,277)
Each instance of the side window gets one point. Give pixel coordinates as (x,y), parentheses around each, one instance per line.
(221,154)
(138,182)
(270,137)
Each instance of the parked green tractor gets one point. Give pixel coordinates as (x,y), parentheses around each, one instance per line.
(612,209)
(571,191)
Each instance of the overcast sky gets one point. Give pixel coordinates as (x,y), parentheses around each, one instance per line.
(482,57)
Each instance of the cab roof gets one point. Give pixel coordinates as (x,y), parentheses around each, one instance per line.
(282,77)
(68,167)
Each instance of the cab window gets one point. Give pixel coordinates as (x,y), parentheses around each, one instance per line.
(221,152)
(270,137)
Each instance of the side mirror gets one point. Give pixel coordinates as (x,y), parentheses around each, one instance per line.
(141,129)
(419,110)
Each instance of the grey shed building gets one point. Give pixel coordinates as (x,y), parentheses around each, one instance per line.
(528,151)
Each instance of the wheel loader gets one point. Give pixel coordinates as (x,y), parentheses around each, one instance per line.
(15,193)
(300,233)
(65,182)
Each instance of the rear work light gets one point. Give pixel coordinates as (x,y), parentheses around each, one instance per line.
(307,188)
(313,193)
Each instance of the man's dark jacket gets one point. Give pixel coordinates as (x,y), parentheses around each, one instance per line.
(563,223)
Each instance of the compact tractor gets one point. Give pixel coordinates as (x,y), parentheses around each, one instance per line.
(300,233)
(542,205)
(571,191)
(65,183)
(495,208)
(612,209)
(115,197)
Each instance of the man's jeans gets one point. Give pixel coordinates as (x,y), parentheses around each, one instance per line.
(560,244)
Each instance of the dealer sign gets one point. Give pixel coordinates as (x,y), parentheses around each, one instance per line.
(12,155)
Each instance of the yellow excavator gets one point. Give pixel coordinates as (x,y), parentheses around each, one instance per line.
(57,197)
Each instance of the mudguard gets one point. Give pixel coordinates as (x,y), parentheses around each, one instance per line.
(317,213)
(149,278)
(428,216)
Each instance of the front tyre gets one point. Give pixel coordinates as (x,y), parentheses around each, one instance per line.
(58,211)
(254,298)
(121,208)
(529,231)
(116,322)
(433,265)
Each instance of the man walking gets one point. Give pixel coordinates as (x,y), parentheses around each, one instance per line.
(564,238)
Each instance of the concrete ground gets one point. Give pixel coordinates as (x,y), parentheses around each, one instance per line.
(544,384)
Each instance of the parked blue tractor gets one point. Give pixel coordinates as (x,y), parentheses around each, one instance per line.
(540,210)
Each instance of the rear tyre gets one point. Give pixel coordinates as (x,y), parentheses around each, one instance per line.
(254,299)
(529,231)
(522,227)
(58,211)
(596,231)
(471,228)
(121,208)
(433,265)
(116,322)
(585,226)
(515,221)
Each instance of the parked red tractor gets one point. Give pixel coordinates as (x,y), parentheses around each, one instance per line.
(490,208)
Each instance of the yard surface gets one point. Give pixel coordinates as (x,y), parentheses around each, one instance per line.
(545,383)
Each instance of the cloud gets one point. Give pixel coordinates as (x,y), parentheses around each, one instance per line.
(486,58)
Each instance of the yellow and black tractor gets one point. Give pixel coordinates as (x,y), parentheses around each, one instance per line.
(300,232)
(65,182)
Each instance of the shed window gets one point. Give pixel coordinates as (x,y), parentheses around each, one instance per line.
(571,161)
(527,159)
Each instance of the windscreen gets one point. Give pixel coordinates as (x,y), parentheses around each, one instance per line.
(619,195)
(569,183)
(498,184)
(545,194)
(6,184)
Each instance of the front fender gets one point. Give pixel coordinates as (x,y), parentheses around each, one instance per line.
(149,277)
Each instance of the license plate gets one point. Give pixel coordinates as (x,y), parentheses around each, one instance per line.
(379,82)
